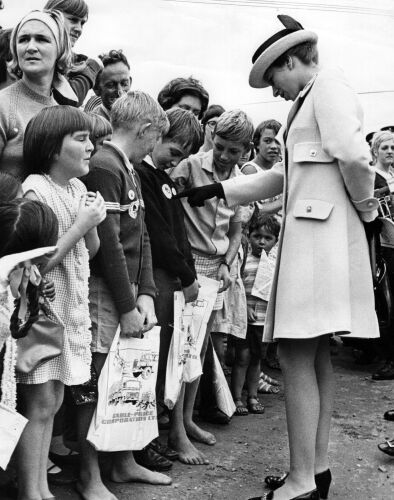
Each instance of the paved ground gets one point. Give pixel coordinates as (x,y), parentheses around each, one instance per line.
(252,446)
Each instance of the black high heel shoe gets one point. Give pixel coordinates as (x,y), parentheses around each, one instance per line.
(322,480)
(311,495)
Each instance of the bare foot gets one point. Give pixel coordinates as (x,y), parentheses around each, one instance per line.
(94,491)
(187,453)
(198,434)
(138,474)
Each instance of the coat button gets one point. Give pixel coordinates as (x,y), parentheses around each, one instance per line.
(309,208)
(313,152)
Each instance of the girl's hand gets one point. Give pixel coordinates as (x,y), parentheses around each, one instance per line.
(90,197)
(191,292)
(47,288)
(91,213)
(224,277)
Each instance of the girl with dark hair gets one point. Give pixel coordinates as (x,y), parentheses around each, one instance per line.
(208,123)
(57,150)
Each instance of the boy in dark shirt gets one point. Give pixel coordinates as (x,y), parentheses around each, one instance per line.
(173,265)
(122,290)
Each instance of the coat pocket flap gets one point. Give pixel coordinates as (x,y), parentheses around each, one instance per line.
(312,209)
(310,152)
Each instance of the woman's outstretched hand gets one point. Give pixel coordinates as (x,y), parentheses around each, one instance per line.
(196,196)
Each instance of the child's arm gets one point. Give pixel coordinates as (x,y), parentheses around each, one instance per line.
(234,235)
(92,241)
(87,218)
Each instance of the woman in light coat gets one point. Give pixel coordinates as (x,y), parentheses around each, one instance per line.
(323,281)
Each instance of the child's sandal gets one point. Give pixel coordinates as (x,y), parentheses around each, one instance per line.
(240,408)
(266,388)
(254,405)
(268,379)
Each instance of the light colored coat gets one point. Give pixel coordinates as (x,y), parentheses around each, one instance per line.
(322,281)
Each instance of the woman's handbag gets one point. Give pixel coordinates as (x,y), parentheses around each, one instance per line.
(44,341)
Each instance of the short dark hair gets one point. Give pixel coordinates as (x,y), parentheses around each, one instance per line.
(268,221)
(213,111)
(45,132)
(9,187)
(185,129)
(108,58)
(5,52)
(270,124)
(306,52)
(25,225)
(78,8)
(173,92)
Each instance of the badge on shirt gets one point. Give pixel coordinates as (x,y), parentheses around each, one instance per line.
(131,194)
(133,209)
(167,191)
(174,191)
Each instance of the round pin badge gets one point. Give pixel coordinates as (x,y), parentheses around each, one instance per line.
(167,191)
(131,194)
(133,209)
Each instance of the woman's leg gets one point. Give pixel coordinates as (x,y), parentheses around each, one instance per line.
(297,360)
(40,402)
(253,372)
(325,382)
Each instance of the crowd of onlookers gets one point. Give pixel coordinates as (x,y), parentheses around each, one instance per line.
(98,169)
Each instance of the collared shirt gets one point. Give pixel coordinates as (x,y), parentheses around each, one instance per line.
(207,227)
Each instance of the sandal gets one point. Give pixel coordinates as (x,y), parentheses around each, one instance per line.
(256,407)
(387,447)
(266,388)
(240,408)
(268,379)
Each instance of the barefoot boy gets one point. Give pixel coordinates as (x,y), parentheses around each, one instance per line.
(121,289)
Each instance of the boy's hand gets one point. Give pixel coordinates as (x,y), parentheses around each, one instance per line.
(48,289)
(224,277)
(146,308)
(191,292)
(251,315)
(131,324)
(91,212)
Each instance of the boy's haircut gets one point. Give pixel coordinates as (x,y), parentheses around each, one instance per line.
(267,124)
(185,130)
(100,126)
(9,187)
(268,221)
(25,225)
(306,52)
(5,52)
(45,132)
(213,111)
(63,61)
(173,92)
(76,8)
(235,126)
(136,106)
(108,58)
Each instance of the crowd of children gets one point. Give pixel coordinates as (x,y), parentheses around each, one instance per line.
(102,184)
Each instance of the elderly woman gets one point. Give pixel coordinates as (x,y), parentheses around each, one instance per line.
(322,282)
(41,55)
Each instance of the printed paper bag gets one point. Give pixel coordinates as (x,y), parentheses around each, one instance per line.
(224,398)
(125,417)
(11,428)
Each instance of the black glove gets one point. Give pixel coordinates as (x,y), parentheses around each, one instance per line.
(196,196)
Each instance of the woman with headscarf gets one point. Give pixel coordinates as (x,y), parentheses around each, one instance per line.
(41,55)
(322,282)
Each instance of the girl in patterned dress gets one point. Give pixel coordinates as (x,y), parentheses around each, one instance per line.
(57,150)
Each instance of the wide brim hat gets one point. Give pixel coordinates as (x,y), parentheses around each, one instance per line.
(275,46)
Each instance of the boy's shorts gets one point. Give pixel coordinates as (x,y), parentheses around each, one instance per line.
(104,316)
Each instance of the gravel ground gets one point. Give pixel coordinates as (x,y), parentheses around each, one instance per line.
(253,446)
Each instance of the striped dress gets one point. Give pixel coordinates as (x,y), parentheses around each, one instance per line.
(71,305)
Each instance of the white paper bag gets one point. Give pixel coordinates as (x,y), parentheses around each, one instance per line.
(190,324)
(126,418)
(12,424)
(224,398)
